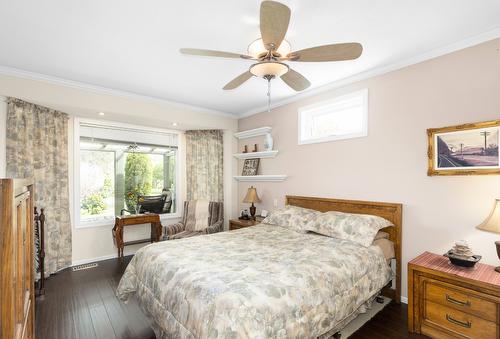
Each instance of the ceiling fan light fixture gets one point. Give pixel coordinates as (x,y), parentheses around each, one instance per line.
(256,48)
(273,68)
(271,50)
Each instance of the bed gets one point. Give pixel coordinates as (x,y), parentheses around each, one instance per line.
(263,281)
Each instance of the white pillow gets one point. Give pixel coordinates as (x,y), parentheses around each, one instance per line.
(292,217)
(358,228)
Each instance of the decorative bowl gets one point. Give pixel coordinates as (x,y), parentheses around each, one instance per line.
(460,261)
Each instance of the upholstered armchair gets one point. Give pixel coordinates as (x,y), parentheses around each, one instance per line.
(185,228)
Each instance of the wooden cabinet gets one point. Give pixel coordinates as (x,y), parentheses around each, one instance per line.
(236,224)
(446,301)
(17,269)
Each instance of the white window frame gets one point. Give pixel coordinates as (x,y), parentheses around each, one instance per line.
(76,170)
(303,111)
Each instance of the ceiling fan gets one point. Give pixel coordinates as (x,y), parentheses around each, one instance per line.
(272,50)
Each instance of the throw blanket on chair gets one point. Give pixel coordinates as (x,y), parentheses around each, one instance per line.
(198,215)
(195,213)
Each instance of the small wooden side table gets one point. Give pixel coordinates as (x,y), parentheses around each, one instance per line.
(236,224)
(446,301)
(137,219)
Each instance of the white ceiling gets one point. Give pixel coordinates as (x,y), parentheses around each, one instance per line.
(133,46)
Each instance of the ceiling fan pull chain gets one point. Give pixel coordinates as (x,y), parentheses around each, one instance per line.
(269,95)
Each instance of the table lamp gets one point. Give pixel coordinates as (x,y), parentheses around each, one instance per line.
(252,197)
(492,224)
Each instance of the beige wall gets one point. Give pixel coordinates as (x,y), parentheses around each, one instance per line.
(96,242)
(390,164)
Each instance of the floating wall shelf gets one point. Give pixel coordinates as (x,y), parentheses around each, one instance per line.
(274,177)
(253,132)
(253,155)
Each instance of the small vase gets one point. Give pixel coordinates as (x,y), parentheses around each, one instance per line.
(268,142)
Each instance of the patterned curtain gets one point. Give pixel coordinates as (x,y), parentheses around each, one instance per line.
(37,146)
(204,165)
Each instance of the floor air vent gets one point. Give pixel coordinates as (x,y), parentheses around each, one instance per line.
(85,266)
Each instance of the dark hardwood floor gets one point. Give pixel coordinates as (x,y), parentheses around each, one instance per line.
(391,322)
(83,305)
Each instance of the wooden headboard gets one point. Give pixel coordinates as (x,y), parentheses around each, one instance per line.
(389,211)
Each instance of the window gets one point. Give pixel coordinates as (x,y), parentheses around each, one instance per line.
(341,118)
(119,166)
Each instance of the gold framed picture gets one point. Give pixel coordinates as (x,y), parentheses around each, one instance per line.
(469,149)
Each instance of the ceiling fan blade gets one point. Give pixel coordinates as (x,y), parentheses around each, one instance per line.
(239,80)
(212,53)
(295,80)
(334,52)
(274,20)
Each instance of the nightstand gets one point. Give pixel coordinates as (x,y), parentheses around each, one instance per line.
(446,301)
(236,224)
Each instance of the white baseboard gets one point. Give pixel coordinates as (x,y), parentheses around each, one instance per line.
(404,300)
(88,261)
(104,257)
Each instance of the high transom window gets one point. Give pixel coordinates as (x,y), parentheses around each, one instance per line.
(340,118)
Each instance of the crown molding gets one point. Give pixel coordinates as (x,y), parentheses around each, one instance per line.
(456,46)
(19,73)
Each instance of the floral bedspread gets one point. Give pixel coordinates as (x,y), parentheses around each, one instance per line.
(263,281)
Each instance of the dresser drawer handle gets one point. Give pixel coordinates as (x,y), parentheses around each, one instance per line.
(457,302)
(467,324)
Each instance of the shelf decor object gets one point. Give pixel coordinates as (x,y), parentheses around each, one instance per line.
(253,132)
(254,178)
(268,142)
(251,167)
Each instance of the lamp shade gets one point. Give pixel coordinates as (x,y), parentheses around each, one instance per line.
(264,68)
(492,223)
(251,196)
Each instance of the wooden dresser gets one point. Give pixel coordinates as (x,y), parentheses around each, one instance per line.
(17,298)
(446,301)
